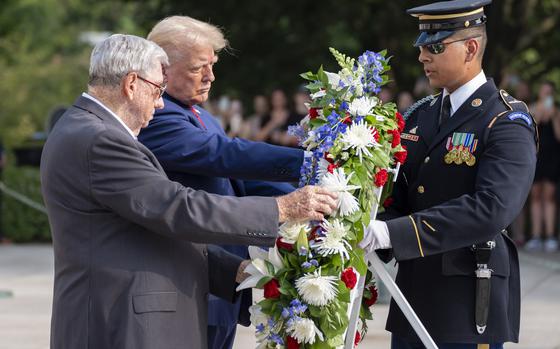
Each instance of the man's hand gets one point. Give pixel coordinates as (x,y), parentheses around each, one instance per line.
(241,274)
(307,203)
(376,236)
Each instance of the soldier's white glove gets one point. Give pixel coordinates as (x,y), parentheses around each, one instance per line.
(376,237)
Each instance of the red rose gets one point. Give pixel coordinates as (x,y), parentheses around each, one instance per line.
(347,120)
(375,135)
(371,301)
(357,338)
(349,278)
(291,343)
(381,178)
(388,202)
(400,156)
(313,113)
(400,121)
(271,289)
(396,137)
(284,245)
(328,157)
(331,167)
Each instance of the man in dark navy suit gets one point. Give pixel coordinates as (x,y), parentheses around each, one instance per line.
(471,162)
(194,150)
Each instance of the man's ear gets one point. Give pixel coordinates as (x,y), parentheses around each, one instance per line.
(129,85)
(472,47)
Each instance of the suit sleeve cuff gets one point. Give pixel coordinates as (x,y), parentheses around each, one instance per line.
(405,238)
(222,270)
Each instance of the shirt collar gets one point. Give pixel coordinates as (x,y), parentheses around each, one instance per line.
(88,96)
(460,95)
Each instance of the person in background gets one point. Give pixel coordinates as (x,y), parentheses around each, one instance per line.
(279,115)
(404,101)
(254,122)
(543,192)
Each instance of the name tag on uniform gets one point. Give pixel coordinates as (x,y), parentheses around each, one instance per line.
(409,137)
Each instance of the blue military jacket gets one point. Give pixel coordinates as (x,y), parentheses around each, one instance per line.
(444,204)
(195,151)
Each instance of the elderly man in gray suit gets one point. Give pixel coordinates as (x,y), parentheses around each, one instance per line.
(131,266)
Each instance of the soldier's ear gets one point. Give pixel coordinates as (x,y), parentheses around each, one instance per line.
(472,47)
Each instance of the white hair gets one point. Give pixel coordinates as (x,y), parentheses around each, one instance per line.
(120,54)
(177,34)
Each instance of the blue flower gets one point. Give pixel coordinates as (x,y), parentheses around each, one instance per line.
(276,338)
(260,328)
(306,265)
(314,262)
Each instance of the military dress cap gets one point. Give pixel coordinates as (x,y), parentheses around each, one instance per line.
(440,20)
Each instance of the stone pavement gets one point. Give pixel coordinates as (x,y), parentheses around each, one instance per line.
(26,274)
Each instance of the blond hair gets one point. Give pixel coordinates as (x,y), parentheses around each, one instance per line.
(177,33)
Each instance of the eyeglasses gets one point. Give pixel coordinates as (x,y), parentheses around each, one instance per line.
(161,87)
(439,47)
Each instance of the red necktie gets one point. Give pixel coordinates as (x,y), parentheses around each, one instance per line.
(198,117)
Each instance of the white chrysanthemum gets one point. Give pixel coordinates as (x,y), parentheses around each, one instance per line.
(317,290)
(257,269)
(359,136)
(362,106)
(304,331)
(333,242)
(290,231)
(338,182)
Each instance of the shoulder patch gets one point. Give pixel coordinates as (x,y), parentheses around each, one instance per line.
(417,105)
(520,115)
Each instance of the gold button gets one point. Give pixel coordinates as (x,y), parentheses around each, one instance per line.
(421,189)
(427,159)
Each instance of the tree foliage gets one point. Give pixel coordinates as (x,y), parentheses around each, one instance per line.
(43,62)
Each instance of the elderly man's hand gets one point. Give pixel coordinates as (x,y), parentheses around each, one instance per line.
(307,203)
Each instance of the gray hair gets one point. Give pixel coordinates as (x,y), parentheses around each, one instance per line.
(120,54)
(177,33)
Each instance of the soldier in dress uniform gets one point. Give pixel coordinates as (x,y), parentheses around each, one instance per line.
(471,161)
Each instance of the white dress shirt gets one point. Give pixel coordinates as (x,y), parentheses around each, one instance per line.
(460,95)
(110,112)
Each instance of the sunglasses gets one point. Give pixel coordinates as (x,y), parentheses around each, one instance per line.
(161,88)
(439,47)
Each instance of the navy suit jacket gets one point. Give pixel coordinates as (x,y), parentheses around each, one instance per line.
(199,155)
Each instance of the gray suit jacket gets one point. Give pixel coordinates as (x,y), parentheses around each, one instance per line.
(131,266)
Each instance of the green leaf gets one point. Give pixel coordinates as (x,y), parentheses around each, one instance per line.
(320,345)
(358,261)
(263,281)
(336,341)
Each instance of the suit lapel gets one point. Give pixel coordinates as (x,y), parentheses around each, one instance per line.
(467,111)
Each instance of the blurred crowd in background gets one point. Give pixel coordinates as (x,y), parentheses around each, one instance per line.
(536,228)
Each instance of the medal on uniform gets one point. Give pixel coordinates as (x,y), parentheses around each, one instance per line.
(460,149)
